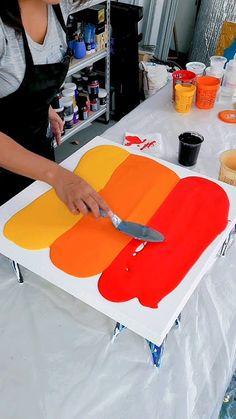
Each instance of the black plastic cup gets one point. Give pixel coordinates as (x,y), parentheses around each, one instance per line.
(189,147)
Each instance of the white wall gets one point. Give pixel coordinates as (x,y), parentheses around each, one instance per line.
(185,22)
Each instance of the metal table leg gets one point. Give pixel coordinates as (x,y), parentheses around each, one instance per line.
(17,271)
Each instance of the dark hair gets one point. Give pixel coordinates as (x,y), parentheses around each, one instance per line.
(10,14)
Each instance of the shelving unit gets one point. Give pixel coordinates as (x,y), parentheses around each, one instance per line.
(77,65)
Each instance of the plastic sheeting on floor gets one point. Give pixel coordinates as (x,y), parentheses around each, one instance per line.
(57,359)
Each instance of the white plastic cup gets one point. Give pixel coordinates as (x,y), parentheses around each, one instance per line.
(215,72)
(217,62)
(229,81)
(197,67)
(70,86)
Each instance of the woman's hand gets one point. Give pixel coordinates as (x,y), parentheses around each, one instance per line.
(56,124)
(77,194)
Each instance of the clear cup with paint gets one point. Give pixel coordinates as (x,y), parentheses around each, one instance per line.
(228,167)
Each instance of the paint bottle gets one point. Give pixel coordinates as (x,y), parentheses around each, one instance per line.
(67,104)
(102,94)
(83,112)
(94,103)
(83,108)
(69,121)
(93,84)
(70,93)
(76,115)
(77,79)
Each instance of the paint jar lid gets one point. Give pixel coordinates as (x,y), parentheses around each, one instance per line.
(67,92)
(65,101)
(68,117)
(102,93)
(70,86)
(77,76)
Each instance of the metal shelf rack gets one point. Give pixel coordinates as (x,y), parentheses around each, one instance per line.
(77,65)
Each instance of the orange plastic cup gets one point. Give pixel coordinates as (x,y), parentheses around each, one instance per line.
(207,88)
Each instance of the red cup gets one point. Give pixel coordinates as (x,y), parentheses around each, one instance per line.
(184,77)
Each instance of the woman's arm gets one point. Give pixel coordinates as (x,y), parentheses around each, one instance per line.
(77,194)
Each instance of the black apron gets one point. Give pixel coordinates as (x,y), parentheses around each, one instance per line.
(24,113)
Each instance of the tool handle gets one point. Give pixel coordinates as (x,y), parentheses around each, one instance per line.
(113,217)
(102,212)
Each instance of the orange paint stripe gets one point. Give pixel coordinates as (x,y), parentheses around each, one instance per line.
(137,187)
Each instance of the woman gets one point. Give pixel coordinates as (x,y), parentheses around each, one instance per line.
(34,61)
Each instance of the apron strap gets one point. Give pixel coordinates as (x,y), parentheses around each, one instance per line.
(58,12)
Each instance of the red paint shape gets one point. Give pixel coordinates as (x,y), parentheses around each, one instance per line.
(132,139)
(148,145)
(190,218)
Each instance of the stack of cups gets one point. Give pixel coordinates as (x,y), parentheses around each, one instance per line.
(184,78)
(216,69)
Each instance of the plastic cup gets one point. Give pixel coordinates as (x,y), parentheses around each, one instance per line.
(217,62)
(184,97)
(219,73)
(207,88)
(228,167)
(196,67)
(183,77)
(189,147)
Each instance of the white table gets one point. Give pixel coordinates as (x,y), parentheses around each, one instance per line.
(56,356)
(152,324)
